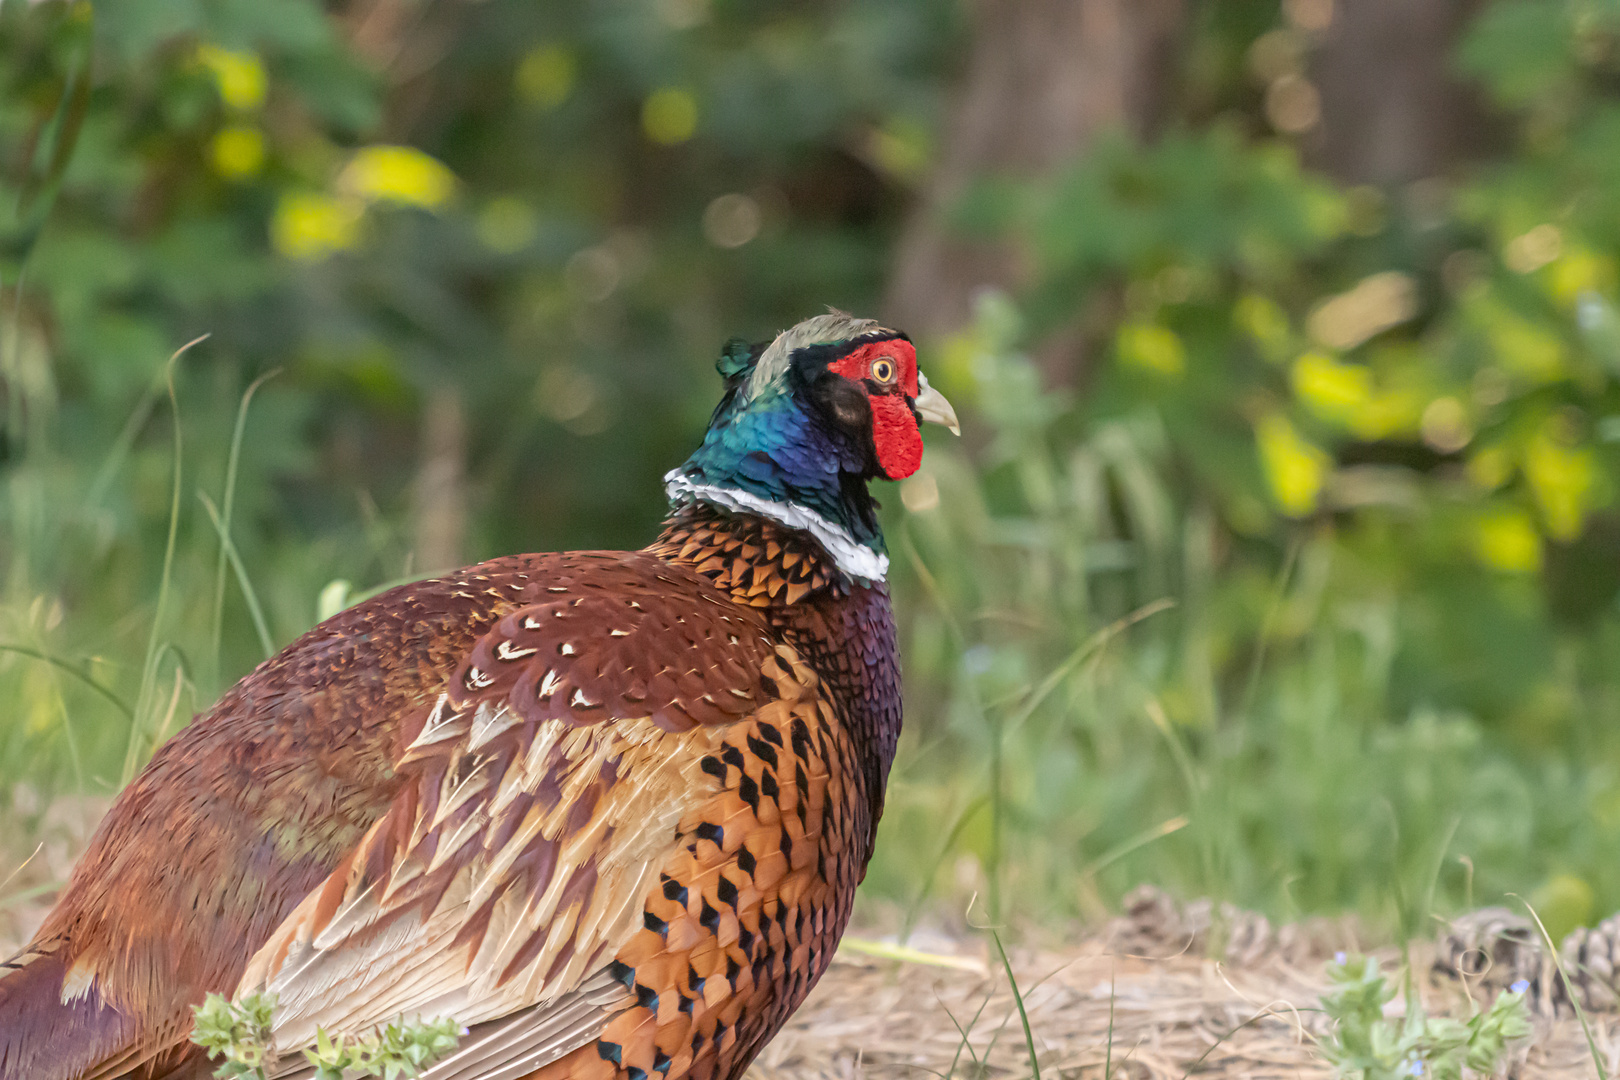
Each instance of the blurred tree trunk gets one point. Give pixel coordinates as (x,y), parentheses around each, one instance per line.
(1392,112)
(1043,77)
(440,510)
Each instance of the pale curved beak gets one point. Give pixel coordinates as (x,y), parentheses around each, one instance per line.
(932,406)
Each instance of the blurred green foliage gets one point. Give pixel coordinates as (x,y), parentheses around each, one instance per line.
(1364,442)
(555,211)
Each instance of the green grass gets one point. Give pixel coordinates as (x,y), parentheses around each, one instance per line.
(1098,693)
(1107,686)
(1092,701)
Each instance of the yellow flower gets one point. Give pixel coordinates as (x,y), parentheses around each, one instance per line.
(670,116)
(239,76)
(237,151)
(310,225)
(1154,348)
(1331,390)
(1562,480)
(1295,468)
(1507,540)
(398,174)
(545,78)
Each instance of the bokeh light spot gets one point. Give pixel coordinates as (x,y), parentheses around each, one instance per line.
(1530,251)
(506,225)
(1376,304)
(546,76)
(732,220)
(1293,105)
(670,116)
(237,151)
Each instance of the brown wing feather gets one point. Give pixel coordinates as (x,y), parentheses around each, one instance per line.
(744,916)
(541,796)
(238,816)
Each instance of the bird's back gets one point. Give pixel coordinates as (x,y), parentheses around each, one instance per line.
(245,812)
(235,820)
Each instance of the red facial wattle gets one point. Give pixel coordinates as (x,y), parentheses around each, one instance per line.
(894,428)
(894,433)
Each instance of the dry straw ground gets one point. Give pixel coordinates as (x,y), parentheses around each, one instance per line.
(1142,999)
(1092,1008)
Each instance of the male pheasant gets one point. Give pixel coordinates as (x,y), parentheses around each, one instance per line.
(609,809)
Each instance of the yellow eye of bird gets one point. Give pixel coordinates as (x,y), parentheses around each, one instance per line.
(883,370)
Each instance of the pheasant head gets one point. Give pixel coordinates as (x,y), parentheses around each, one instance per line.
(806,421)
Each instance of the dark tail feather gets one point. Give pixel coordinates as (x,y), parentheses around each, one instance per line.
(43,1038)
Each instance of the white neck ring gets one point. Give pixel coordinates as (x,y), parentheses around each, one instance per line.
(850,555)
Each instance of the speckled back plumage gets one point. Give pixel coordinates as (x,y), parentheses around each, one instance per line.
(609,809)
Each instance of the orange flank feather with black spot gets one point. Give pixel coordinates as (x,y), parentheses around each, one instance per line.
(606,809)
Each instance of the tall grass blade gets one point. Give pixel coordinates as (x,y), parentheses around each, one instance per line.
(965,1044)
(167,722)
(914,909)
(883,950)
(1178,749)
(22,865)
(223,524)
(228,549)
(1421,917)
(1134,843)
(1574,998)
(1018,999)
(1210,1049)
(1108,1050)
(117,702)
(1087,649)
(29,893)
(119,452)
(149,668)
(1279,596)
(991,720)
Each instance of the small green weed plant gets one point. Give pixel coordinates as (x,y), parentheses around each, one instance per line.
(239,1033)
(1364,1044)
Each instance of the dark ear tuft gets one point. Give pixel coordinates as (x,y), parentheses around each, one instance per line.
(844,402)
(737,359)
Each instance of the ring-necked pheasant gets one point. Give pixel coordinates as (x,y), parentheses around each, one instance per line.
(607,808)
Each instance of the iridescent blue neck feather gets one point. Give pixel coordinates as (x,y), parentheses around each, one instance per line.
(768,451)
